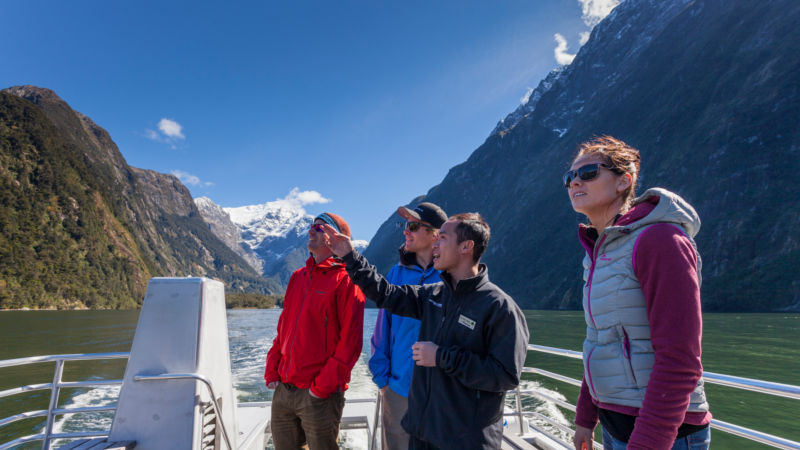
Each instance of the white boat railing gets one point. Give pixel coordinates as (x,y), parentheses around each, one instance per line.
(55,388)
(749,384)
(47,436)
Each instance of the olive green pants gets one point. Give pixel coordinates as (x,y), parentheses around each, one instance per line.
(301,421)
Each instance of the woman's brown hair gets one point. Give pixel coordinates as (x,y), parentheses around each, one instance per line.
(618,155)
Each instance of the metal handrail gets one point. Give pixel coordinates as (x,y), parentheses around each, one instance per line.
(57,412)
(197,377)
(55,388)
(54,436)
(750,384)
(65,357)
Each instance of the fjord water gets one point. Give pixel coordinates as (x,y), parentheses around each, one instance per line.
(762,346)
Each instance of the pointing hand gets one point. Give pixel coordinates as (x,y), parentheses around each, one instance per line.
(339,243)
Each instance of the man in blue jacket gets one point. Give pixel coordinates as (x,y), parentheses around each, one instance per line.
(391,363)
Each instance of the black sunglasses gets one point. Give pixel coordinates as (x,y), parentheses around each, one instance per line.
(318,227)
(587,172)
(414,226)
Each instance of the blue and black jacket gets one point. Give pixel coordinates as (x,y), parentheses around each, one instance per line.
(391,363)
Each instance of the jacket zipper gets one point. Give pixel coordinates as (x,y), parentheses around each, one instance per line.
(595,251)
(297,319)
(435,339)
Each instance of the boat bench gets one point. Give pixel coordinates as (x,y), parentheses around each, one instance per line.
(98,444)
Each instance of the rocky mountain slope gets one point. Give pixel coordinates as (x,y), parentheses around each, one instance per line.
(709,91)
(81,228)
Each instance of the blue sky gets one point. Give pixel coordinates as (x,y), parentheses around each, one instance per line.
(367,103)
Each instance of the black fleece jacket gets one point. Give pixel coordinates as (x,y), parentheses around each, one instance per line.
(482,338)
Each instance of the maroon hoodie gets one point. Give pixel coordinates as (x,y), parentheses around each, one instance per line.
(665,263)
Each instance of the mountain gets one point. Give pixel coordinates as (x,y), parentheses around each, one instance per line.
(709,92)
(274,233)
(81,228)
(221,225)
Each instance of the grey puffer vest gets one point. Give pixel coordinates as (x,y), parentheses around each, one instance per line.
(617,353)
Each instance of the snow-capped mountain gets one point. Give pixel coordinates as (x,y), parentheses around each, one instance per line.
(272,233)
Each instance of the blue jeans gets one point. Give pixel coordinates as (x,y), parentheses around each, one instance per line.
(700,440)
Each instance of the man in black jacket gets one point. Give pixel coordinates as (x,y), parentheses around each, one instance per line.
(472,342)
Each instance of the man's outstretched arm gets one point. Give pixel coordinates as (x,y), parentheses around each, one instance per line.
(405,300)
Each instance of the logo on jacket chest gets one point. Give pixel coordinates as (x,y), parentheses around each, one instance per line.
(466,321)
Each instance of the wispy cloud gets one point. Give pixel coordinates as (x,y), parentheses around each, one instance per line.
(560,52)
(192,180)
(592,13)
(169,132)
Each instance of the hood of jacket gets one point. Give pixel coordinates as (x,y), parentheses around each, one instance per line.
(669,208)
(656,205)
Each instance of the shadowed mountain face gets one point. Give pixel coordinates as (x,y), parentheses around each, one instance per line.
(708,91)
(79,227)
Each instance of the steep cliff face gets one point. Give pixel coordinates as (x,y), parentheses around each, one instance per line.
(221,225)
(708,91)
(79,227)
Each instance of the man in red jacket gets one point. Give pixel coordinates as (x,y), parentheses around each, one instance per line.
(319,341)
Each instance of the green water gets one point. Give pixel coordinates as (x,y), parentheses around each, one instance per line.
(762,346)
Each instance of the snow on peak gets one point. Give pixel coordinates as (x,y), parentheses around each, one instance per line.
(528,102)
(360,245)
(277,218)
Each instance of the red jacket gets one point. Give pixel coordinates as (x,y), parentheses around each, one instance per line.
(320,330)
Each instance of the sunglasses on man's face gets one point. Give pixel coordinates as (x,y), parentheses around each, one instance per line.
(587,172)
(414,226)
(318,227)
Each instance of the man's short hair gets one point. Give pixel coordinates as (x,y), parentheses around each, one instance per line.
(472,227)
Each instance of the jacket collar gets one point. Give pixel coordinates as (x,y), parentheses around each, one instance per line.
(409,259)
(588,234)
(470,284)
(330,263)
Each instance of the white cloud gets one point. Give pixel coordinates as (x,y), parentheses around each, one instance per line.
(169,132)
(585,37)
(297,199)
(171,128)
(596,10)
(560,52)
(187,178)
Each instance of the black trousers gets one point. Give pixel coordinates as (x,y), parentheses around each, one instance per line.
(416,444)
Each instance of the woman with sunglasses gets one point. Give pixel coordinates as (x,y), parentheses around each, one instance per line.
(641,299)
